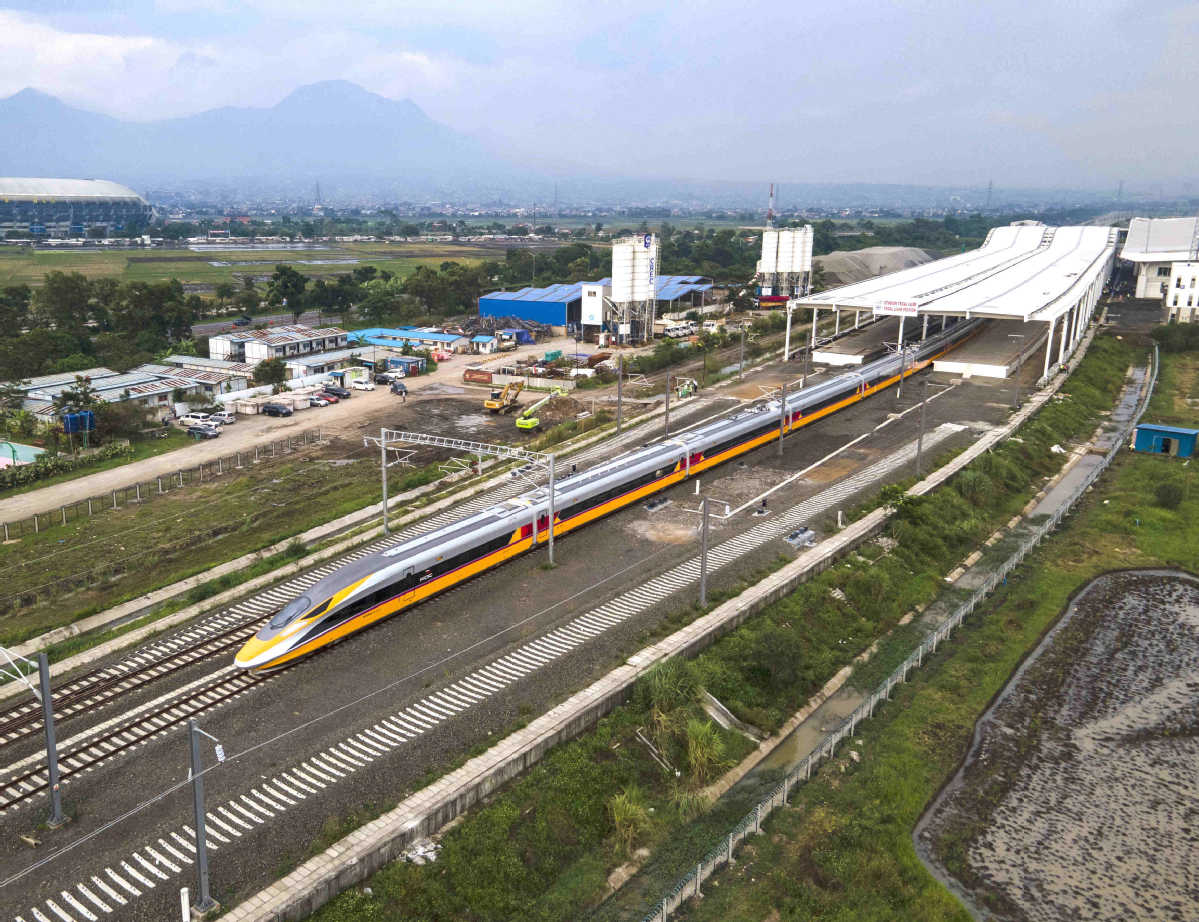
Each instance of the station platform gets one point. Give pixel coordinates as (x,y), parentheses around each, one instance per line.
(998,351)
(861,346)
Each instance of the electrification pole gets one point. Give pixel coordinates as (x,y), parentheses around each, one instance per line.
(205,902)
(782,418)
(619,391)
(550,549)
(920,438)
(383,468)
(741,364)
(703,555)
(43,669)
(666,433)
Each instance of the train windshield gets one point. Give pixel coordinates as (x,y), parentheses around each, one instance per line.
(291,611)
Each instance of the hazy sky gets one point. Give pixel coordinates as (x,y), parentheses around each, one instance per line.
(942,92)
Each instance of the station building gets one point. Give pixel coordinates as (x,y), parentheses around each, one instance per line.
(1155,246)
(31,207)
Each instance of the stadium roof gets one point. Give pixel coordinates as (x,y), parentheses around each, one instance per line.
(1161,240)
(49,190)
(1023,273)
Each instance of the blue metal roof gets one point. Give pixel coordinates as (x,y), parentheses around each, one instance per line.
(668,287)
(1173,430)
(482,339)
(384,336)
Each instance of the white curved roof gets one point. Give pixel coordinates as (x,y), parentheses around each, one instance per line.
(1161,240)
(48,190)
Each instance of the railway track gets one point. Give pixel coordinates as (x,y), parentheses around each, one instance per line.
(225,630)
(29,779)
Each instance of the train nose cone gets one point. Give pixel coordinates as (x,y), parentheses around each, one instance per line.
(254,654)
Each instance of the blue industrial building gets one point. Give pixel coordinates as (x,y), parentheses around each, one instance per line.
(1165,440)
(561,305)
(417,337)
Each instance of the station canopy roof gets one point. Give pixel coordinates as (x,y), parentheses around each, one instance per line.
(1161,240)
(1025,272)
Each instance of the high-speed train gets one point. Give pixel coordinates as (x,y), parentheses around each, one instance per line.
(377,586)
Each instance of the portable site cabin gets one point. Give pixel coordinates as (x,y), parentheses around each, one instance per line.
(1165,440)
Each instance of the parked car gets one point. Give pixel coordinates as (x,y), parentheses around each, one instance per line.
(243,321)
(318,400)
(195,419)
(275,409)
(327,397)
(336,391)
(399,387)
(362,384)
(383,378)
(203,432)
(224,417)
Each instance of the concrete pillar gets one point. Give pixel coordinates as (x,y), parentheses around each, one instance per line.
(924,328)
(836,321)
(1049,347)
(815,323)
(901,320)
(1061,349)
(857,317)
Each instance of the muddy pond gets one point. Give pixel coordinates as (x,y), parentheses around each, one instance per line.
(1080,796)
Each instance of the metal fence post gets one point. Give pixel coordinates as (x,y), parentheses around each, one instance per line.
(138,488)
(160,486)
(89,505)
(64,515)
(36,529)
(220,466)
(114,499)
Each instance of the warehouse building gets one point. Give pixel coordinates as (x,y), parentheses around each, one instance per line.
(585,308)
(69,207)
(151,390)
(1154,245)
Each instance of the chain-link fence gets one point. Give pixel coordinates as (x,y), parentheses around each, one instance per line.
(689,885)
(146,490)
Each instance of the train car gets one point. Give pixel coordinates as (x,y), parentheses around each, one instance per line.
(365,591)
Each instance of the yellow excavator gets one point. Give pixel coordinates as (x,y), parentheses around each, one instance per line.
(504,401)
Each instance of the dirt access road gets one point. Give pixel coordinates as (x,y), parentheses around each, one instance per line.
(345,418)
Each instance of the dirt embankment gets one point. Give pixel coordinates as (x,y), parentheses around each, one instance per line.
(1079,797)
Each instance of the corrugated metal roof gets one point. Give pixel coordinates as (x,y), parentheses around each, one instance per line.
(66,378)
(482,339)
(1174,430)
(20,188)
(668,287)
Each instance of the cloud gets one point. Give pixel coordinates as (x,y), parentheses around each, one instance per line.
(908,91)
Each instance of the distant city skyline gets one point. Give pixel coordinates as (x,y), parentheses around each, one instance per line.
(928,93)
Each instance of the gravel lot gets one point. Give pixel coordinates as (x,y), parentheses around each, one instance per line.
(1078,799)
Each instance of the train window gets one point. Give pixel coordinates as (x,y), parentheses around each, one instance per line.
(290,612)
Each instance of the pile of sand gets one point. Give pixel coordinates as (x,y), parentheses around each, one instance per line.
(843,267)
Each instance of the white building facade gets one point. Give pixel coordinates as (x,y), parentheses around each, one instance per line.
(1182,292)
(1154,245)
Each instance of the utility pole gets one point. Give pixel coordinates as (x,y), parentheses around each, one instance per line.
(807,366)
(619,391)
(56,817)
(703,555)
(787,336)
(205,902)
(741,364)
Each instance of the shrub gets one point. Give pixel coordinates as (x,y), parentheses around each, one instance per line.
(705,750)
(1168,495)
(630,817)
(52,465)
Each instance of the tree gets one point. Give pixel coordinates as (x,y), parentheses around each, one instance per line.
(14,307)
(63,301)
(224,292)
(78,397)
(270,371)
(12,396)
(286,287)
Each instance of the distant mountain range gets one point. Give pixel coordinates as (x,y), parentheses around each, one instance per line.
(333,131)
(359,145)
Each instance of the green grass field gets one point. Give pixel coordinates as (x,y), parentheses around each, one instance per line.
(25,266)
(1176,397)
